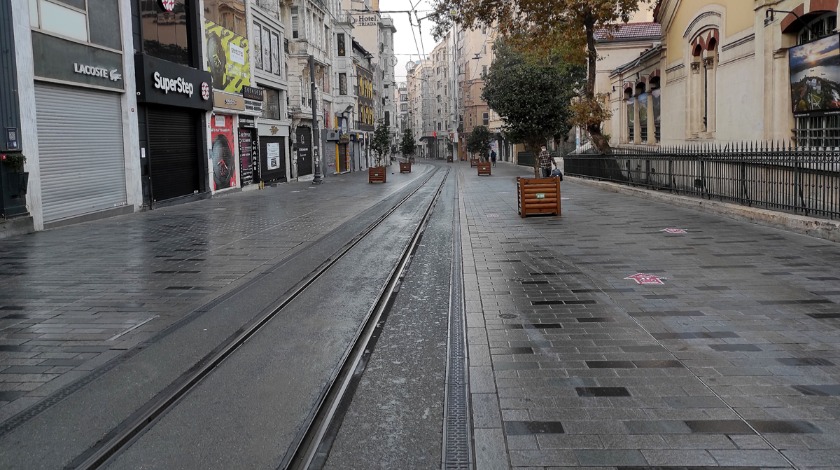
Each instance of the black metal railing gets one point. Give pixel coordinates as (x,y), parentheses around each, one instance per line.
(766,175)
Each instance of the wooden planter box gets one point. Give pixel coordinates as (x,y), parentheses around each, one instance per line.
(449,159)
(536,196)
(376,174)
(473,162)
(405,167)
(484,168)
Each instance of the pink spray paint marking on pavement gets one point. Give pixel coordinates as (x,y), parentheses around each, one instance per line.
(643,279)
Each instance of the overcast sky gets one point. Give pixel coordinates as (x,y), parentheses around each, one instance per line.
(406,45)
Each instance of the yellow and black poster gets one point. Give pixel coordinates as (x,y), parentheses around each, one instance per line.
(229,58)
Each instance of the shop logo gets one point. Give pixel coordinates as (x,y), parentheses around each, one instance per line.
(168,5)
(177,85)
(205,91)
(114,74)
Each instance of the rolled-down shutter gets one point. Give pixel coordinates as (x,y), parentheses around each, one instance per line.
(173,151)
(80,146)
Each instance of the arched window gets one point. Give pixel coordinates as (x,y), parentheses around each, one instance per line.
(642,103)
(702,101)
(655,93)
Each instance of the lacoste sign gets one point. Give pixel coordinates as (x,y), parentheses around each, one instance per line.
(113,74)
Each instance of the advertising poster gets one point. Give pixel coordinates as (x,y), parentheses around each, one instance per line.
(815,75)
(228,54)
(273,155)
(222,159)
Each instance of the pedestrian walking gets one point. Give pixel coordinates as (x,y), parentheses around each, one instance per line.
(493,157)
(545,162)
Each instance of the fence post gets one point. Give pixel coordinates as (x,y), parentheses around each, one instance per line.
(797,183)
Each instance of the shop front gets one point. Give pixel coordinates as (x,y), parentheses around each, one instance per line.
(173,100)
(79,93)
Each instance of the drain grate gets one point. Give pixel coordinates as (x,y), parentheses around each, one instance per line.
(457,449)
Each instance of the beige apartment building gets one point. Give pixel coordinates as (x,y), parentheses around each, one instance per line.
(746,70)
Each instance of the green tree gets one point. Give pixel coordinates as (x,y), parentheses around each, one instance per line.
(381,143)
(407,145)
(532,94)
(548,27)
(479,140)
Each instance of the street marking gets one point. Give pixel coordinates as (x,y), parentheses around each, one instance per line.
(642,278)
(673,230)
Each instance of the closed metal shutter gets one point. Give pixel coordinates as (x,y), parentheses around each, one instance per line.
(80,145)
(173,152)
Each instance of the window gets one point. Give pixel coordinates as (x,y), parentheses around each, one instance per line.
(271,104)
(341,48)
(642,101)
(631,120)
(485,119)
(818,131)
(257,47)
(60,19)
(295,22)
(817,28)
(70,19)
(342,84)
(387,118)
(655,93)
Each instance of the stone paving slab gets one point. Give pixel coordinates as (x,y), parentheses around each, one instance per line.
(729,361)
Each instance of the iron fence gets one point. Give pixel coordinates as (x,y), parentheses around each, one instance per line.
(766,175)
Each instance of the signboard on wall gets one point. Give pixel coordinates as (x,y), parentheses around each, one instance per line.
(229,58)
(222,159)
(815,75)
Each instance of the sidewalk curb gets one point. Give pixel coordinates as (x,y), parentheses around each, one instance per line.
(818,228)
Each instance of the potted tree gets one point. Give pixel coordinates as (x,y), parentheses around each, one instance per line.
(380,145)
(533,118)
(407,148)
(478,142)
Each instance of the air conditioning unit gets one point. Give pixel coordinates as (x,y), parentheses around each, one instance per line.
(332,135)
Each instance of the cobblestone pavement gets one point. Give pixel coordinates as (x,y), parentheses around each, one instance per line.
(77,297)
(731,358)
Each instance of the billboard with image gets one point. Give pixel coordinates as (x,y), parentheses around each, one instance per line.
(815,75)
(226,42)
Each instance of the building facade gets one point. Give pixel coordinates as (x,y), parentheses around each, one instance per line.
(738,71)
(74,116)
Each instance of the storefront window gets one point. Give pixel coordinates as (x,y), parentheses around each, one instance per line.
(165,34)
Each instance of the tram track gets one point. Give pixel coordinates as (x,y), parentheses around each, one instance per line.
(305,445)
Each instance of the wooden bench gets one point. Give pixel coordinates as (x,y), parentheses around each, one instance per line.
(376,174)
(538,196)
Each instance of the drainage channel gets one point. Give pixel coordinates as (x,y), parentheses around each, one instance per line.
(144,418)
(313,451)
(457,440)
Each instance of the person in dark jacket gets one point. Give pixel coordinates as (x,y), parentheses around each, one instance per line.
(545,162)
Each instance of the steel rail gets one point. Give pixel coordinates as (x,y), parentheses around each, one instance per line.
(312,449)
(131,428)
